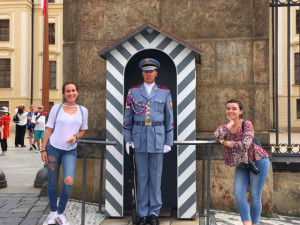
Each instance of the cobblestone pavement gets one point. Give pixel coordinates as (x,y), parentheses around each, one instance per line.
(30,209)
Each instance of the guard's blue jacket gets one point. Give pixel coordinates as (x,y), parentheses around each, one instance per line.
(157,108)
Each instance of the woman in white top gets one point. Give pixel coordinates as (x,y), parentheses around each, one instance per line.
(21,125)
(66,123)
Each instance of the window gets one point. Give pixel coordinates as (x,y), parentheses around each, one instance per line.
(297,68)
(298,22)
(51,1)
(298,108)
(4,30)
(4,73)
(52,71)
(51,33)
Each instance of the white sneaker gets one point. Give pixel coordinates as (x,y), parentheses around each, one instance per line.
(37,151)
(61,219)
(50,218)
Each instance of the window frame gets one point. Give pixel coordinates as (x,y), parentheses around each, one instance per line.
(297,68)
(5,29)
(298,108)
(5,72)
(52,85)
(51,33)
(297,21)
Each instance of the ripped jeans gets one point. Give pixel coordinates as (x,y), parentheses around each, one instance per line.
(67,159)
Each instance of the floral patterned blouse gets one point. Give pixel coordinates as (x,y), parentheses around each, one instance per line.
(244,149)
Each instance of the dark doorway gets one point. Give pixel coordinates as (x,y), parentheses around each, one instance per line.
(166,77)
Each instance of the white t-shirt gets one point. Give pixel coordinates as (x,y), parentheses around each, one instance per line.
(22,118)
(41,121)
(65,126)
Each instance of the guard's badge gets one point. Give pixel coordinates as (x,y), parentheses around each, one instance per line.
(171,105)
(147,61)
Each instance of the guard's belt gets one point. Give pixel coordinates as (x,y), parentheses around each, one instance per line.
(152,123)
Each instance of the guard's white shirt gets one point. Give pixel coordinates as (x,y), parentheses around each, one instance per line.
(148,87)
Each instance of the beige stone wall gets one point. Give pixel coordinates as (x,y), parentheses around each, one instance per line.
(221,187)
(287,192)
(233,37)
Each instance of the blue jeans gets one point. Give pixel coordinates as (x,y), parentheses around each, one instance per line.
(244,178)
(67,159)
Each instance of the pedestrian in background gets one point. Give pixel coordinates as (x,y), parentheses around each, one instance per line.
(66,123)
(21,112)
(39,126)
(30,128)
(4,124)
(237,136)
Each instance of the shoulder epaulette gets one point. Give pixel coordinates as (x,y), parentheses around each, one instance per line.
(136,86)
(163,87)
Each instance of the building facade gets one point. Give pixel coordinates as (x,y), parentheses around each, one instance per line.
(283,68)
(21,62)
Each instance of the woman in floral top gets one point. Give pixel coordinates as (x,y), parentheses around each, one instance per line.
(240,149)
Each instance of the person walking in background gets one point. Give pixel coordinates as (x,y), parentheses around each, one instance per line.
(240,149)
(30,128)
(148,126)
(4,124)
(39,128)
(21,113)
(60,148)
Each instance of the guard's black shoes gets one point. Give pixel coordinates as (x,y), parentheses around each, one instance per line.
(142,221)
(153,220)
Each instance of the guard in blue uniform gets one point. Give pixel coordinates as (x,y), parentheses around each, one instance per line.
(148,126)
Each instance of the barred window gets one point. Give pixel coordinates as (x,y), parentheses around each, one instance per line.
(51,33)
(4,73)
(297,68)
(4,30)
(298,21)
(52,71)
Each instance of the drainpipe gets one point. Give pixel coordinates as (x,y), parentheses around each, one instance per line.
(31,75)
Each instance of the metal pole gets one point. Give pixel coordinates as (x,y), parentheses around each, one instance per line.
(289,72)
(208,185)
(83,186)
(101,180)
(203,185)
(273,66)
(276,66)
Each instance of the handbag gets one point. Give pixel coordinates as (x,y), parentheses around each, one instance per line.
(256,141)
(251,166)
(16,119)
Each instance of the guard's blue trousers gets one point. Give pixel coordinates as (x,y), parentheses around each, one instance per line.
(149,170)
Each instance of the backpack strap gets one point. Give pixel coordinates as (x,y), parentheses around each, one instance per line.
(81,110)
(60,105)
(243,124)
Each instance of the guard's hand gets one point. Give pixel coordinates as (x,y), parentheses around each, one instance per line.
(167,148)
(44,157)
(128,146)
